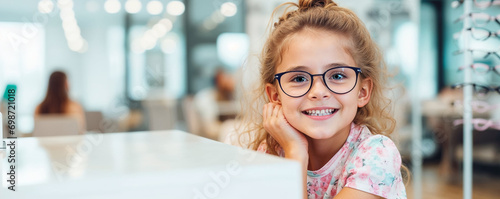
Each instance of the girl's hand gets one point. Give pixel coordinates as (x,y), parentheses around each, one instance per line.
(294,143)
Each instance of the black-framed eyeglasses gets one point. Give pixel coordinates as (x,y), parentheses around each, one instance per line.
(480,34)
(483,54)
(339,80)
(479,19)
(478,3)
(481,89)
(481,68)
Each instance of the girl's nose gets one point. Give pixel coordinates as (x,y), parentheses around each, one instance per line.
(319,89)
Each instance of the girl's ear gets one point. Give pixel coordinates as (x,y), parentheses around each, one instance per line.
(272,93)
(365,92)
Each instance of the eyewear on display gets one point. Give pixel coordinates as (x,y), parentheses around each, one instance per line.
(481,68)
(480,124)
(477,106)
(480,34)
(483,54)
(482,89)
(339,80)
(477,3)
(480,19)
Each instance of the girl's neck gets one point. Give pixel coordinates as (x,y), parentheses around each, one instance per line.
(321,151)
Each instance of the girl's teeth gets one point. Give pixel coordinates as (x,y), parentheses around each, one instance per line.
(320,112)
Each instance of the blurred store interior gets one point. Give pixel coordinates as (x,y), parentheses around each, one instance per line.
(148,65)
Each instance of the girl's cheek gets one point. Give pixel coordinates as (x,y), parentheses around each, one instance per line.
(289,107)
(286,110)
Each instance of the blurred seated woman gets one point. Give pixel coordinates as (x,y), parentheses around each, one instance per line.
(57,100)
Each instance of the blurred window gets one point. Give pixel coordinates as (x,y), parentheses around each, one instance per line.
(22,61)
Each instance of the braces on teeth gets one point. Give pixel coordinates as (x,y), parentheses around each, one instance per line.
(320,112)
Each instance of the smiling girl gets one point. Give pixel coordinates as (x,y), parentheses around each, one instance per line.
(321,93)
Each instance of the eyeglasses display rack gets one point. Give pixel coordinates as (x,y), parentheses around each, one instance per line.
(467,35)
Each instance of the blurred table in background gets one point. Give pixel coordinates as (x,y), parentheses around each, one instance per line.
(157,164)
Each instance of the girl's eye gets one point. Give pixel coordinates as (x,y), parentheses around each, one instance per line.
(338,76)
(299,79)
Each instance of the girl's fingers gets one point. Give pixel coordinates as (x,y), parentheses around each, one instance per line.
(276,110)
(281,117)
(280,114)
(264,112)
(267,111)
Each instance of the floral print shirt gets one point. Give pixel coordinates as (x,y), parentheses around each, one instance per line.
(366,162)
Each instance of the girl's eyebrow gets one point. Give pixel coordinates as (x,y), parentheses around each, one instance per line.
(295,68)
(303,68)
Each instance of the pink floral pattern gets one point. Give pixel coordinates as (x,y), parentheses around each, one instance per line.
(366,162)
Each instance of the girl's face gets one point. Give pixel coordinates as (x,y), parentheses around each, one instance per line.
(316,51)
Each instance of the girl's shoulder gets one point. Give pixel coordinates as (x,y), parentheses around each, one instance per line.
(374,166)
(368,144)
(377,141)
(374,148)
(366,137)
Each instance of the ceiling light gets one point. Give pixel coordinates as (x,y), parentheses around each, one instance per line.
(112,6)
(175,8)
(133,6)
(154,7)
(228,9)
(45,6)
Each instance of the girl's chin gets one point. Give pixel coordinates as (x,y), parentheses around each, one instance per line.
(318,135)
(323,132)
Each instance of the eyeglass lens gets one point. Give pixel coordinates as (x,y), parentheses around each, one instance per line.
(480,68)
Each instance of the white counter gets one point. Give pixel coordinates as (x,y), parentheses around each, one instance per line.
(160,164)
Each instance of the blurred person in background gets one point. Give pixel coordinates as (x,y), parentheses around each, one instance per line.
(57,100)
(224,83)
(216,104)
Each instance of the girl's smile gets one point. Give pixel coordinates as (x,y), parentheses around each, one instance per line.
(320,113)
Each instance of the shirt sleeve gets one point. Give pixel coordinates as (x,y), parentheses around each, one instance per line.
(263,149)
(375,167)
